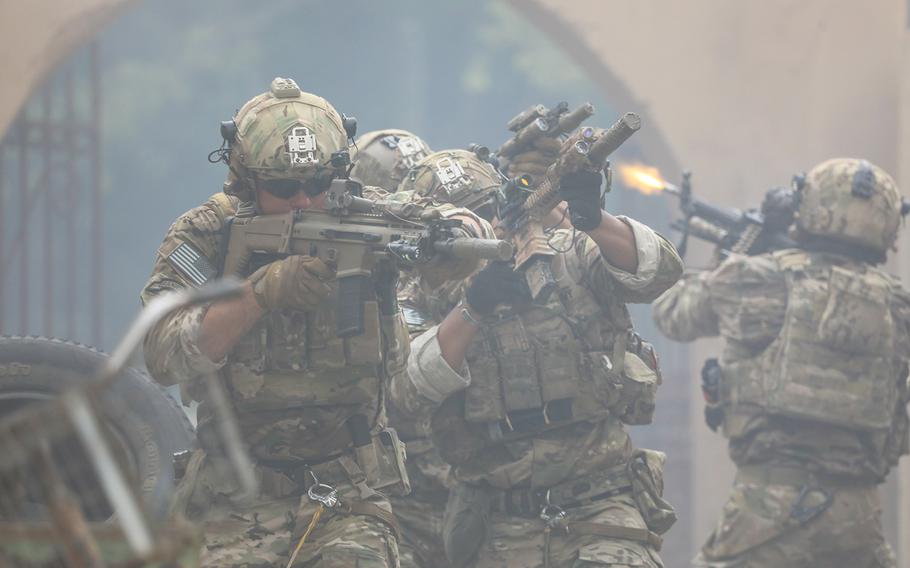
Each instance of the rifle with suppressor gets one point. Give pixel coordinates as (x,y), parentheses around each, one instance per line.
(749,232)
(363,240)
(538,121)
(523,210)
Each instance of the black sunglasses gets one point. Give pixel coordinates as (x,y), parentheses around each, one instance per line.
(288,188)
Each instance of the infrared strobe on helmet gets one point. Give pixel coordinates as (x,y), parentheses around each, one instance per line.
(458,177)
(383,157)
(851,202)
(283,134)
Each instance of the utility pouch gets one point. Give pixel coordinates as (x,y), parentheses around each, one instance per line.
(711,379)
(646,470)
(639,384)
(383,463)
(465,523)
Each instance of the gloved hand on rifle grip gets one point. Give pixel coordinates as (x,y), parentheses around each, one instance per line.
(581,191)
(497,284)
(297,282)
(535,161)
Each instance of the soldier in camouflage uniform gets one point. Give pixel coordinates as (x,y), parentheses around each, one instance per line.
(383,157)
(813,384)
(529,401)
(300,392)
(421,512)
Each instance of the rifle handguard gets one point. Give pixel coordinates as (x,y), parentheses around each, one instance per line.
(546,196)
(613,138)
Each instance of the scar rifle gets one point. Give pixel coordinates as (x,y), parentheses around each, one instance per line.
(365,242)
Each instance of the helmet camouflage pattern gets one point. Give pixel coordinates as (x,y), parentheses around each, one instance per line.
(458,177)
(284,133)
(383,157)
(852,201)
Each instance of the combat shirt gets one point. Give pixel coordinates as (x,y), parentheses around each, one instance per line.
(547,458)
(292,381)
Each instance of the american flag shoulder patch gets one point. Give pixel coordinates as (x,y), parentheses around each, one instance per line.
(191,264)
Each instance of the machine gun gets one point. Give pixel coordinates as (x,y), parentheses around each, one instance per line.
(523,210)
(751,232)
(538,121)
(364,240)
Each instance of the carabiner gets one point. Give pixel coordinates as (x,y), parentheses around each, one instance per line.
(322,493)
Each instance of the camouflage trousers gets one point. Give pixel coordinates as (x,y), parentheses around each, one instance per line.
(420,514)
(759,528)
(421,531)
(522,542)
(264,531)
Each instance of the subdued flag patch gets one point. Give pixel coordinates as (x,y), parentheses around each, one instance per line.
(191,264)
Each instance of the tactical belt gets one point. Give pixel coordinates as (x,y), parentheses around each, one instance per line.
(576,492)
(285,481)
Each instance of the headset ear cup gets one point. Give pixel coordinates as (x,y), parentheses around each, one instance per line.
(350,125)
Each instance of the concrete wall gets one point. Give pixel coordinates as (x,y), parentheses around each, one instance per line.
(745,94)
(36,35)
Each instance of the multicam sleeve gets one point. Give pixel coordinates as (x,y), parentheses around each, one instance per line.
(659,265)
(171,348)
(428,381)
(749,296)
(684,311)
(744,300)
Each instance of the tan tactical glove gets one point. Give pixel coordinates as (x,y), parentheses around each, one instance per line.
(535,162)
(297,282)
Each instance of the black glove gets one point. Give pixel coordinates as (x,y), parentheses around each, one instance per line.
(581,191)
(497,284)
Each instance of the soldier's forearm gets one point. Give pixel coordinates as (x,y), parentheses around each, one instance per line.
(616,242)
(226,322)
(455,336)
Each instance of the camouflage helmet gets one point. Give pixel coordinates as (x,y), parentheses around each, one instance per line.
(850,201)
(284,133)
(383,157)
(458,177)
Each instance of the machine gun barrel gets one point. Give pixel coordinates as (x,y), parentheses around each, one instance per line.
(731,229)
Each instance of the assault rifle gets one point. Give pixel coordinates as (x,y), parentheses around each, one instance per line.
(538,121)
(523,210)
(365,241)
(751,232)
